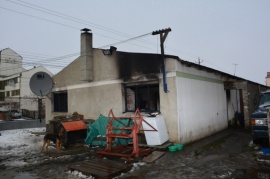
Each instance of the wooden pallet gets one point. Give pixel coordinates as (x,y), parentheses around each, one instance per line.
(101,168)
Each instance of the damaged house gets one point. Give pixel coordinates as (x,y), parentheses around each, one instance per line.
(199,102)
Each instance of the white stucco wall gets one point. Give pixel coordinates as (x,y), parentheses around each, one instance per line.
(10,63)
(96,99)
(168,106)
(90,99)
(201,101)
(25,91)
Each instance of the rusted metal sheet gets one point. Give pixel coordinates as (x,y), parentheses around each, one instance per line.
(74,125)
(101,168)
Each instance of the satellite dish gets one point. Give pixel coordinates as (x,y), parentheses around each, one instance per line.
(41,83)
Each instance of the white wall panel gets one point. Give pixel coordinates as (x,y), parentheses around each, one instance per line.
(202,108)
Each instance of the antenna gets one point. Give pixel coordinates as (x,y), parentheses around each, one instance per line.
(41,83)
(234,68)
(199,61)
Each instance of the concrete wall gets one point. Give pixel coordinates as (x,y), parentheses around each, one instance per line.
(201,104)
(70,75)
(89,98)
(8,125)
(251,93)
(94,100)
(168,107)
(25,91)
(184,108)
(10,61)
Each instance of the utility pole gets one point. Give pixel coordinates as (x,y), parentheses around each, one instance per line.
(163,34)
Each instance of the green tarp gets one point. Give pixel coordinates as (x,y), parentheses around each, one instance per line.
(98,128)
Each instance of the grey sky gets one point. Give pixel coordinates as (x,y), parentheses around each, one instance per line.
(221,33)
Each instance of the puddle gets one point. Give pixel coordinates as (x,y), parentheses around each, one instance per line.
(25,176)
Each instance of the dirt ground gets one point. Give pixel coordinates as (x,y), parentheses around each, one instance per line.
(227,154)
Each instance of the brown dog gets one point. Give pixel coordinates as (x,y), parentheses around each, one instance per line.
(56,139)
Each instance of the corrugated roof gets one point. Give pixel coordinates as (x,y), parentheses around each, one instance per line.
(74,125)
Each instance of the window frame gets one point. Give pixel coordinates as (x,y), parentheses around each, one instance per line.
(60,97)
(138,88)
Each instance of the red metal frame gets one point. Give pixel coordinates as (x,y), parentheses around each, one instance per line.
(134,131)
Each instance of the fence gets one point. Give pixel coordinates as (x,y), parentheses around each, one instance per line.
(28,106)
(32,114)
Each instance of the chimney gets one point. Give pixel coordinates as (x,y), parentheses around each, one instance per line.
(86,55)
(268,79)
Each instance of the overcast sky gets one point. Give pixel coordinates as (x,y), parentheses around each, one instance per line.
(232,36)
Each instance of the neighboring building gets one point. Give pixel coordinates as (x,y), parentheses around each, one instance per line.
(267,79)
(200,100)
(10,63)
(28,98)
(15,92)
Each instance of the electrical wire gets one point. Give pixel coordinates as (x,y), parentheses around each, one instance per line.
(48,11)
(62,15)
(39,18)
(76,19)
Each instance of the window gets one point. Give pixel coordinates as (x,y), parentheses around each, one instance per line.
(2,96)
(8,94)
(146,98)
(15,92)
(60,101)
(2,85)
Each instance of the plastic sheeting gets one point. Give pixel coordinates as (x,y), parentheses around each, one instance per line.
(98,128)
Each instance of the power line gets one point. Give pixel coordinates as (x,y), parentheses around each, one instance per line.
(68,56)
(77,19)
(39,18)
(82,22)
(74,19)
(124,41)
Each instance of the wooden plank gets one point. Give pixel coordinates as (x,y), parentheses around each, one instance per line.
(100,168)
(107,163)
(89,171)
(153,156)
(158,147)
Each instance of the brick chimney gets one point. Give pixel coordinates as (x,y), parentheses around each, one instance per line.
(86,55)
